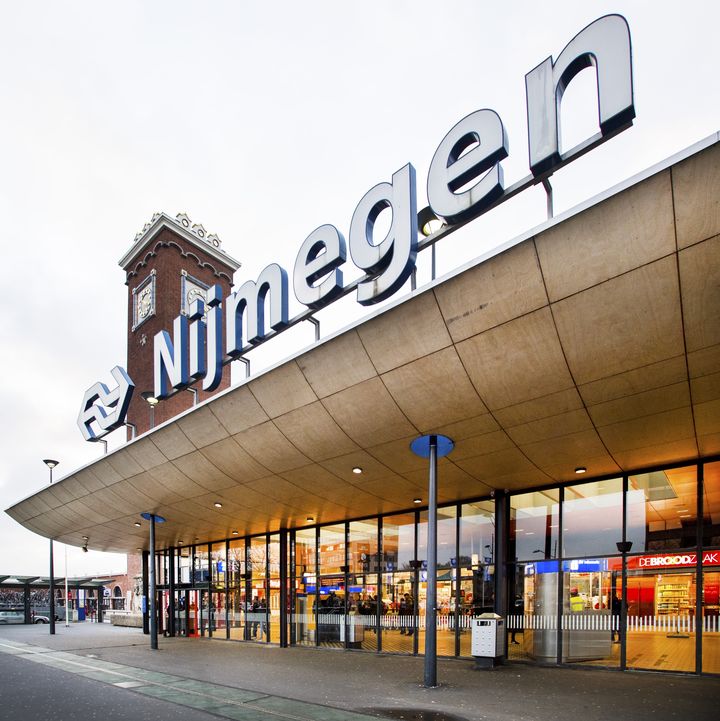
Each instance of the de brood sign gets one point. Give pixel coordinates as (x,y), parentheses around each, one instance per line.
(464,180)
(674,560)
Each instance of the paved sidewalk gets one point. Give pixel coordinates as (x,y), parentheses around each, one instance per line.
(263,683)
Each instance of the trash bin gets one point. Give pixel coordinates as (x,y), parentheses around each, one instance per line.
(488,642)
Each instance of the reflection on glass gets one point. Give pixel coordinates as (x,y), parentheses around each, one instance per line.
(363,565)
(534,525)
(592,518)
(446,527)
(218,565)
(662,510)
(711,505)
(711,569)
(201,568)
(303,619)
(331,593)
(182,559)
(398,619)
(236,563)
(660,615)
(256,617)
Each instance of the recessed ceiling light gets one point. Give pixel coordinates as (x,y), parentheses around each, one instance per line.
(235,533)
(309,519)
(138,524)
(138,549)
(180,543)
(197,538)
(417,500)
(86,538)
(218,504)
(580,469)
(357,469)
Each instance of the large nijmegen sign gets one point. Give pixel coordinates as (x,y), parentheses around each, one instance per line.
(464,180)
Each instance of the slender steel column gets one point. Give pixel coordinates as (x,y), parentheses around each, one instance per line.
(145,594)
(284,589)
(431,447)
(149,573)
(431,595)
(153,600)
(52,588)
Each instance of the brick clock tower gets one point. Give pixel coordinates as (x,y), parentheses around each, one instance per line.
(172,263)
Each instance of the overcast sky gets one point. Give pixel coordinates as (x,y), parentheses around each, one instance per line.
(263,121)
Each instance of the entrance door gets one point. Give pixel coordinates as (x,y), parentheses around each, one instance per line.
(398,622)
(661,620)
(181,612)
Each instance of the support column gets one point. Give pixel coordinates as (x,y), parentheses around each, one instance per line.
(500,554)
(171,601)
(100,601)
(431,599)
(146,623)
(51,612)
(149,567)
(283,589)
(431,447)
(152,589)
(26,603)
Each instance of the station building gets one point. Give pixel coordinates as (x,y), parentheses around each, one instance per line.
(577,371)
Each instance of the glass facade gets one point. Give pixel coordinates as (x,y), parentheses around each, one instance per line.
(620,572)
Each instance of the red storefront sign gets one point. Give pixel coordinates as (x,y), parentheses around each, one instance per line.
(673,560)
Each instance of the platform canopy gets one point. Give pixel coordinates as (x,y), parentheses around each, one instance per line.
(594,342)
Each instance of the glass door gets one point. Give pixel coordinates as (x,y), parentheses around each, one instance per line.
(661,619)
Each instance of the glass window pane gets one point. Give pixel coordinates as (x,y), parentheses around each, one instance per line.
(660,611)
(201,571)
(477,534)
(362,588)
(446,527)
(398,547)
(332,549)
(534,525)
(274,556)
(258,556)
(236,564)
(592,518)
(305,552)
(363,548)
(182,558)
(711,615)
(219,565)
(711,505)
(662,510)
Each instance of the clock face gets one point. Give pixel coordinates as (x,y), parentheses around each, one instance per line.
(144,299)
(193,292)
(144,302)
(193,295)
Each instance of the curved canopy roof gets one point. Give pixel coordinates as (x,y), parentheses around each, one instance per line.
(595,342)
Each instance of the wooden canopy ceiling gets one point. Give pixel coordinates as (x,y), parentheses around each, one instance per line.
(594,343)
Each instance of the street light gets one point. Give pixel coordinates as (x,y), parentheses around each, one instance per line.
(152,402)
(431,447)
(50,463)
(153,518)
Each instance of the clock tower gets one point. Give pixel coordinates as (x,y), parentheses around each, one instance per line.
(171,263)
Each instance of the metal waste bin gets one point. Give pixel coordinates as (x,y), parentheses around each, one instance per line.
(488,642)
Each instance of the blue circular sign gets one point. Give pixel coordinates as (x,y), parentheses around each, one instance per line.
(421,446)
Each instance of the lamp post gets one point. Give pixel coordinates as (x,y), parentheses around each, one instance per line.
(50,463)
(153,518)
(152,401)
(624,547)
(431,447)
